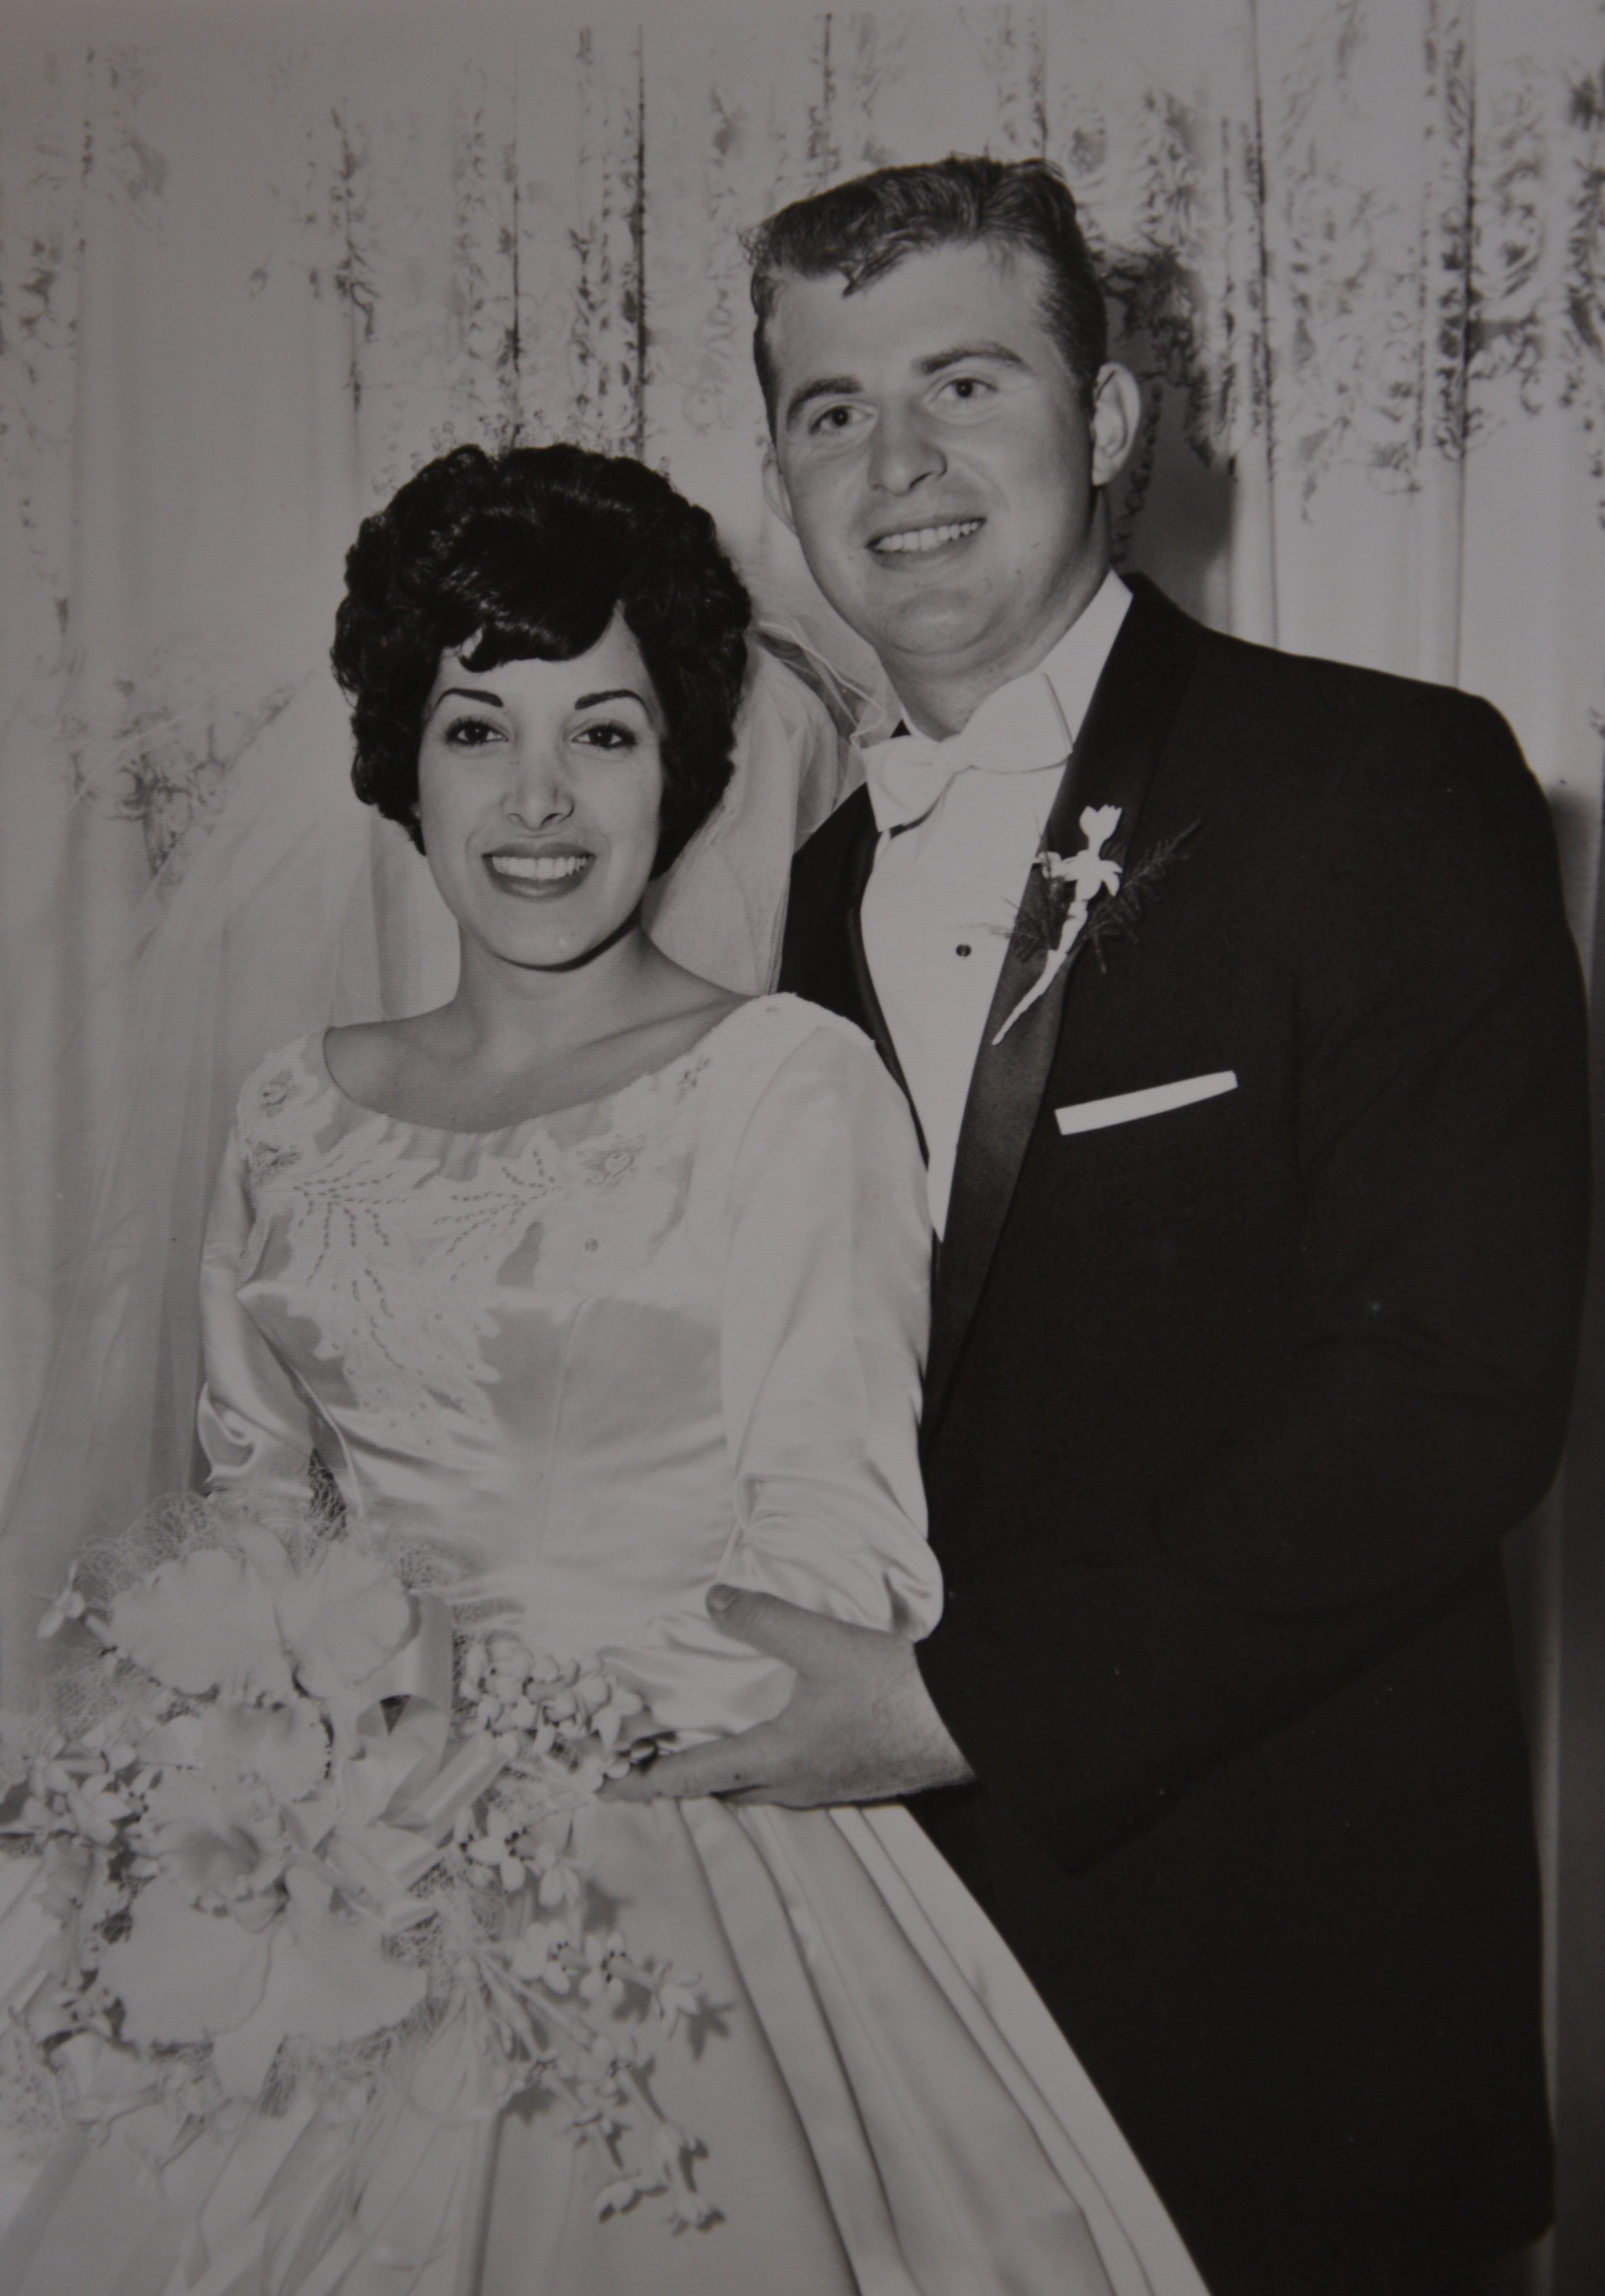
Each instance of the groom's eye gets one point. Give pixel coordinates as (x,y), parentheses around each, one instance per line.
(966,389)
(832,421)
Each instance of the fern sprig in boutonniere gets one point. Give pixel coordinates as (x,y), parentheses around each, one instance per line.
(1086,895)
(1116,919)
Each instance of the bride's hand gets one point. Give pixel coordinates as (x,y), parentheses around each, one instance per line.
(859,1724)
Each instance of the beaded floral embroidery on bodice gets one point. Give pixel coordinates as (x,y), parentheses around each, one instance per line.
(399,1238)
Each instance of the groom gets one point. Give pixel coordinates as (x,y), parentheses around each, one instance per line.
(1247,1052)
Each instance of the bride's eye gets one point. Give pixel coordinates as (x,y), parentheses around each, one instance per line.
(607,733)
(472,732)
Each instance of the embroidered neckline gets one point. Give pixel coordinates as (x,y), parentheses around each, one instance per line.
(315,1063)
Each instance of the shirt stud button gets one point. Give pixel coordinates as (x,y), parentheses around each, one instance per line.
(962,950)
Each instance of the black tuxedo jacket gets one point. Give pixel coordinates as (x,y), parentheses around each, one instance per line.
(1228,1407)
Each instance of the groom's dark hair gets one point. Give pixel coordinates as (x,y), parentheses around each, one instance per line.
(864,228)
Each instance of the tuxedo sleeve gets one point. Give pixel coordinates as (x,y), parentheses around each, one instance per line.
(1415,1411)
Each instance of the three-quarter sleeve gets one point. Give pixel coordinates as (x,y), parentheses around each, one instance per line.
(254,1422)
(825,1307)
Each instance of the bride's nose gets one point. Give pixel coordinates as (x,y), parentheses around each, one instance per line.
(539,793)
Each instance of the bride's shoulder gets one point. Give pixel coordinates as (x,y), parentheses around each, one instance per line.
(780,1048)
(793,1088)
(765,1031)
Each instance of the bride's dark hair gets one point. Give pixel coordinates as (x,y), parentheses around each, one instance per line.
(530,553)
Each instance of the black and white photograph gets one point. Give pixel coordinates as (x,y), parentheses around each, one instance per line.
(802,1422)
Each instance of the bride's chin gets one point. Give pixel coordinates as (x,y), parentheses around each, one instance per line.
(570,952)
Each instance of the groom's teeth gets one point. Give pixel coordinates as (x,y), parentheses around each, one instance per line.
(927,537)
(543,870)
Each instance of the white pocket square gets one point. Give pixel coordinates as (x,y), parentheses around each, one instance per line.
(1124,1107)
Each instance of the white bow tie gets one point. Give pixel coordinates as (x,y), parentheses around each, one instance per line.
(1019,729)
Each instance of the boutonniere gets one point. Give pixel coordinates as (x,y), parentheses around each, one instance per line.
(1071,906)
(1073,883)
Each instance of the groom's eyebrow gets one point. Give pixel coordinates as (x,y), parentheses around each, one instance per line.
(999,354)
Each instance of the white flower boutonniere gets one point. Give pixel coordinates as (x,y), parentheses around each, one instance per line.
(1074,880)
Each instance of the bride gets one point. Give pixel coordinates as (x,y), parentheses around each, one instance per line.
(601,1284)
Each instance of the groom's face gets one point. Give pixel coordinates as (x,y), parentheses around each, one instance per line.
(934,454)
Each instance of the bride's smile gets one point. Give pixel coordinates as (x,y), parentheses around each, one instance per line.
(539,875)
(540,788)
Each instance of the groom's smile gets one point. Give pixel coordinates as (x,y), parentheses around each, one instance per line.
(920,540)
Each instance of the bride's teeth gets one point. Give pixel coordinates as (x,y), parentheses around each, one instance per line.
(538,869)
(927,538)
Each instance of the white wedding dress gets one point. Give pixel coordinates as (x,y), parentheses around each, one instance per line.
(601,1358)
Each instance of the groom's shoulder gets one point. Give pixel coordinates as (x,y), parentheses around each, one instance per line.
(1244,682)
(827,866)
(835,846)
(1366,807)
(1300,737)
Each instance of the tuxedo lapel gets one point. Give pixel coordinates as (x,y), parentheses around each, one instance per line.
(1112,764)
(862,861)
(822,950)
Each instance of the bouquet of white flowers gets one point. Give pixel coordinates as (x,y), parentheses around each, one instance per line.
(284,1823)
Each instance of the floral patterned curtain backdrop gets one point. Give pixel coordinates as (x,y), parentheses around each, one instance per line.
(256,265)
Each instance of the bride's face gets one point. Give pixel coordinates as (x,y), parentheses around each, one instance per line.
(539,790)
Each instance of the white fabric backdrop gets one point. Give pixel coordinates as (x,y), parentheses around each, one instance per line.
(257,264)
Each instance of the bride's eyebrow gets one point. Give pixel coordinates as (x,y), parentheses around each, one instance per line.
(612,693)
(467,693)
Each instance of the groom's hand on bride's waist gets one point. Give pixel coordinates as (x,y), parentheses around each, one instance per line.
(859,1724)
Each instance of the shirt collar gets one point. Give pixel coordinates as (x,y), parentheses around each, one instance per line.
(1076,664)
(1028,725)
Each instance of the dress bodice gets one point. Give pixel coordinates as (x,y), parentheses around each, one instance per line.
(603,1357)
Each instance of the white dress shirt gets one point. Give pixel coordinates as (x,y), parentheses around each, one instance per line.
(941,900)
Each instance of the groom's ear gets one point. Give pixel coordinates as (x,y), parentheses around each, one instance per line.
(1115,420)
(774,489)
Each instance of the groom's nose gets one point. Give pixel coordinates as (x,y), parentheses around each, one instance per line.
(903,450)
